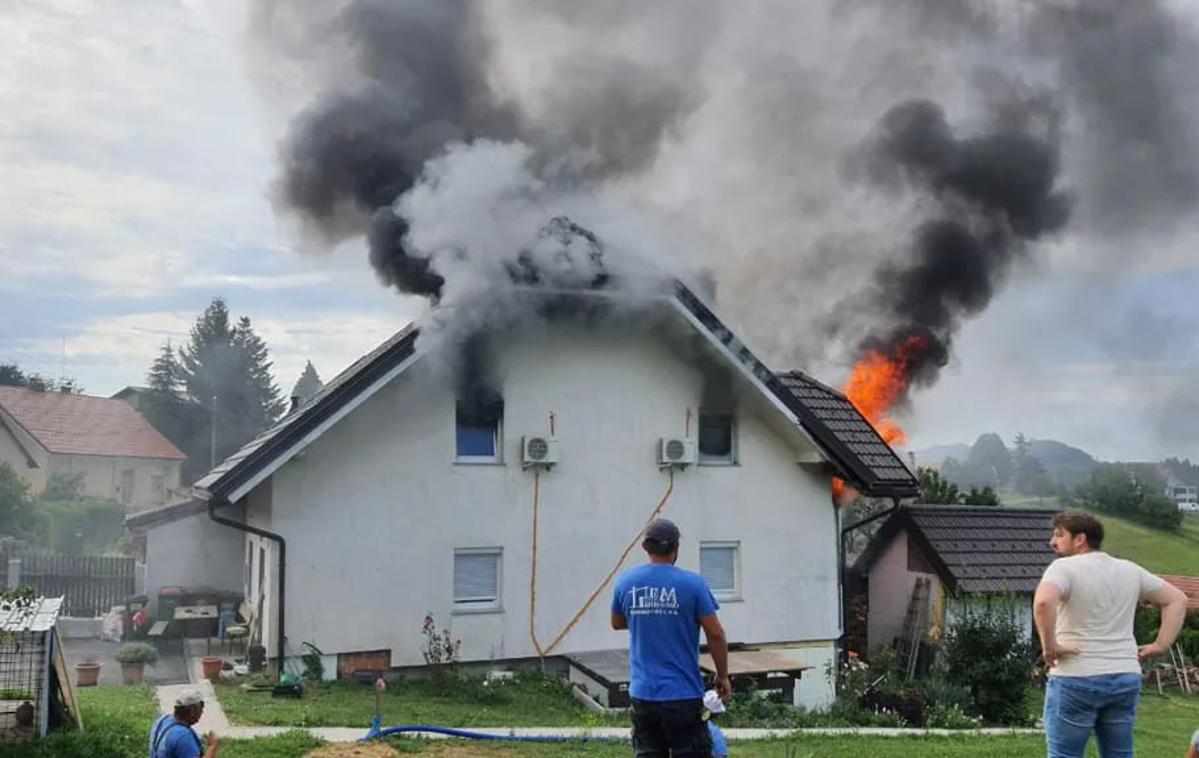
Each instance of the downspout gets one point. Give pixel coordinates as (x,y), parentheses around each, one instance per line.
(277,539)
(841,557)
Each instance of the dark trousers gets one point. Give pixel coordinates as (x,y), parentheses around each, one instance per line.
(670,729)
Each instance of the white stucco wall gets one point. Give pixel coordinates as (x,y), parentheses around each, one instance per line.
(193,552)
(375,508)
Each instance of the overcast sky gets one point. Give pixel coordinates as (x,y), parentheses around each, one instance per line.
(136,159)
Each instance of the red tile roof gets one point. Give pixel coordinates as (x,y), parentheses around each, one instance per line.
(85,425)
(1189,585)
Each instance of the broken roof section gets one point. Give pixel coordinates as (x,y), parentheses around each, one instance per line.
(855,450)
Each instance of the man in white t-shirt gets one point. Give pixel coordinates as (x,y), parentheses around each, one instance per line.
(1084,608)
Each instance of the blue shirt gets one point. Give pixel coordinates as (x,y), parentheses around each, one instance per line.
(720,748)
(174,739)
(663,605)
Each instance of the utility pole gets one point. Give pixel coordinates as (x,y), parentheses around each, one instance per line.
(212,438)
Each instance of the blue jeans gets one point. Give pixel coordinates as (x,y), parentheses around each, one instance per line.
(1076,705)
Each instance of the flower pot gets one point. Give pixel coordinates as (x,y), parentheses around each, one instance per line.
(212,668)
(87,674)
(131,673)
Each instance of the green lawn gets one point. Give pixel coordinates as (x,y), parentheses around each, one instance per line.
(117,723)
(1163,728)
(528,701)
(118,720)
(1157,550)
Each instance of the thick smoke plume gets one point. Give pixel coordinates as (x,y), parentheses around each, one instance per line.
(853,176)
(992,194)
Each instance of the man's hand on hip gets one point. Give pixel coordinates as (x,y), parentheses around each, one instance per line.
(1152,650)
(1054,653)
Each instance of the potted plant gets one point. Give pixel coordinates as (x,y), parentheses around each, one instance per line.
(212,667)
(133,657)
(87,673)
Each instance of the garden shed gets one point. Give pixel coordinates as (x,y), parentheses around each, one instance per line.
(35,690)
(926,561)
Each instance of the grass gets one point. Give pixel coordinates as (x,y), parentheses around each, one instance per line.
(1158,550)
(118,721)
(1164,725)
(525,701)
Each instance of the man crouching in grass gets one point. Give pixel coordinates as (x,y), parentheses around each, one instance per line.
(1084,608)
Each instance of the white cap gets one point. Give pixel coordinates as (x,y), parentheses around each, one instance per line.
(189,697)
(712,702)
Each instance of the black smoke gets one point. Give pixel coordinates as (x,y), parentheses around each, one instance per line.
(362,143)
(991,195)
(419,81)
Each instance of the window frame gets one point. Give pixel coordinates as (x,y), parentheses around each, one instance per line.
(704,459)
(733,594)
(495,605)
(498,440)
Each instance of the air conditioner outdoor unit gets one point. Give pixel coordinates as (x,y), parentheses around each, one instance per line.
(536,450)
(676,451)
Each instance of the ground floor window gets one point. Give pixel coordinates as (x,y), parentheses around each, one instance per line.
(477,578)
(719,563)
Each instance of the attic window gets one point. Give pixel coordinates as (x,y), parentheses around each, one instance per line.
(478,427)
(716,438)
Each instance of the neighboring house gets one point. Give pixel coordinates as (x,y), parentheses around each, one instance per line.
(120,454)
(397,497)
(1189,585)
(1179,491)
(968,554)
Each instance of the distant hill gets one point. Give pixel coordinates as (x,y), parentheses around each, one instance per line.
(936,454)
(1069,466)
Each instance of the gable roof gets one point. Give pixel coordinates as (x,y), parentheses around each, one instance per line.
(974,548)
(880,475)
(85,425)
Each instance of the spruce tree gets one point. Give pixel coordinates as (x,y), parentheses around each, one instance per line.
(220,378)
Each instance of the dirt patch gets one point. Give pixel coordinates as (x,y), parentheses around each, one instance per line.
(352,750)
(466,751)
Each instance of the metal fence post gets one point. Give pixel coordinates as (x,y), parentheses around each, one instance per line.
(13,577)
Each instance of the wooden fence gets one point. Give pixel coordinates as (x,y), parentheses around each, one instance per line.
(91,584)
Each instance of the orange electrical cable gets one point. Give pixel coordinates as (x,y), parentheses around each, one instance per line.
(543,652)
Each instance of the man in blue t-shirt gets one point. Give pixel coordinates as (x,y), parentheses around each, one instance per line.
(663,607)
(172,735)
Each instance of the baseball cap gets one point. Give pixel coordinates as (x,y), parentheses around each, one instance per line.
(189,697)
(712,702)
(662,530)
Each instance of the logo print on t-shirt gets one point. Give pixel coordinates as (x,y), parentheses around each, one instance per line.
(646,601)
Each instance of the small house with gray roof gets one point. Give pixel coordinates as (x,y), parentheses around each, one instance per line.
(964,554)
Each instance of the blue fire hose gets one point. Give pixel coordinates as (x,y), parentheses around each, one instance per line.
(378,732)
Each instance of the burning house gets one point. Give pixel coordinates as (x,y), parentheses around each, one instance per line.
(392,494)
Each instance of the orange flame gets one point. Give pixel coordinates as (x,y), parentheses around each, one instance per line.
(876,383)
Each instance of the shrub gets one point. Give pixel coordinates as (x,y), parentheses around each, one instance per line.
(986,651)
(137,652)
(440,651)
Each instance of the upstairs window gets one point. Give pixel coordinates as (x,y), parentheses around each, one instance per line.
(478,429)
(716,438)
